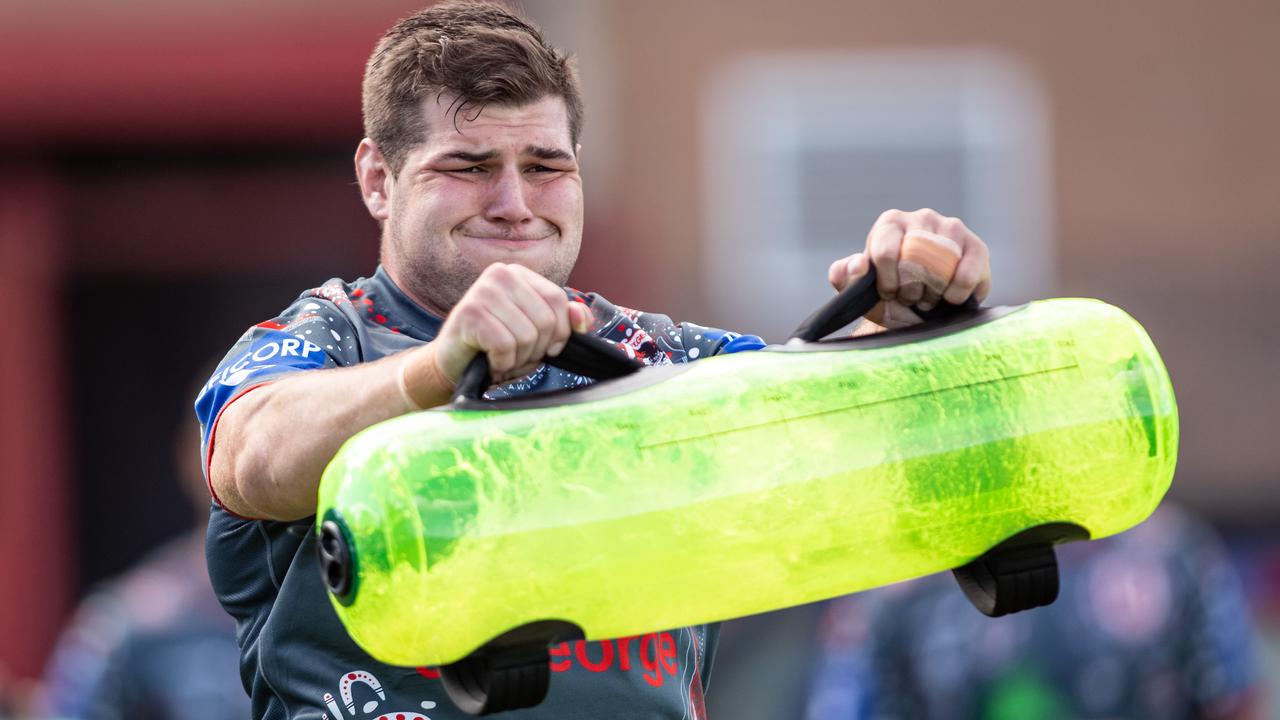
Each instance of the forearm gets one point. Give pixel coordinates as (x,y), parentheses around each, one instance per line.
(272,444)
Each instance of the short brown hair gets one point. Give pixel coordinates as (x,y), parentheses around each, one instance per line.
(482,52)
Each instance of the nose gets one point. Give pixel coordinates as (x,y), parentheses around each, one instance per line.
(507,201)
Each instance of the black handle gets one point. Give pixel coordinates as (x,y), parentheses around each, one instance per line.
(848,305)
(475,379)
(855,301)
(583,354)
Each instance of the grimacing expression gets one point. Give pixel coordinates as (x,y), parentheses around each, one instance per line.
(499,186)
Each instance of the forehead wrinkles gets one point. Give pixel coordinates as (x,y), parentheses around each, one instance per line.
(543,123)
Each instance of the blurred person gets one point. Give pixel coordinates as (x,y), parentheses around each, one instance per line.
(16,696)
(152,643)
(470,167)
(1151,623)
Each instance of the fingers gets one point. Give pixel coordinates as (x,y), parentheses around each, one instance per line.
(846,271)
(580,317)
(973,274)
(563,324)
(884,243)
(541,317)
(545,306)
(918,274)
(929,300)
(982,291)
(514,320)
(483,331)
(891,314)
(930,260)
(515,316)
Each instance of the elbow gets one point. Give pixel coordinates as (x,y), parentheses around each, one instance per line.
(261,488)
(246,485)
(247,475)
(231,473)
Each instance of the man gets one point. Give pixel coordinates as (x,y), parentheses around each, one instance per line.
(471,169)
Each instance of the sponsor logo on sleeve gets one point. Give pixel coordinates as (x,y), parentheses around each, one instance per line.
(273,352)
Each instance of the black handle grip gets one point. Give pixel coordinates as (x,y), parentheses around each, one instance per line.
(855,301)
(583,354)
(475,379)
(848,305)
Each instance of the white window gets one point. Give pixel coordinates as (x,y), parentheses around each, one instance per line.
(802,151)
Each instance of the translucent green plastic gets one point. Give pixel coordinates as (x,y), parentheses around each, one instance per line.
(749,482)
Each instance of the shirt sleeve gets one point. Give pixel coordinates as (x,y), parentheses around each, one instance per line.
(657,340)
(310,334)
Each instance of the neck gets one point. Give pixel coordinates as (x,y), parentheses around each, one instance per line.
(407,290)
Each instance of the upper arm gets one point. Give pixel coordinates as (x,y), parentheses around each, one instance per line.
(228,430)
(242,384)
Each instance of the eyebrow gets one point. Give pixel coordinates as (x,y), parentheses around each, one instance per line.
(471,157)
(547,153)
(538,151)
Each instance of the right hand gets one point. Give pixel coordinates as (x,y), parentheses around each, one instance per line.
(924,270)
(514,315)
(921,259)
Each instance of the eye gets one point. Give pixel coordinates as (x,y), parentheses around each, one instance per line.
(541,169)
(473,170)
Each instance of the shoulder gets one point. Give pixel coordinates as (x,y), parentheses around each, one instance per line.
(657,339)
(316,330)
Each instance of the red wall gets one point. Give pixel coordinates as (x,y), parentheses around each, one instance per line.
(34,542)
(155,83)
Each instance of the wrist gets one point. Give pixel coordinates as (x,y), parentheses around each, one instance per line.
(423,384)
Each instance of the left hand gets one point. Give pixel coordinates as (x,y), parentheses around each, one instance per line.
(910,277)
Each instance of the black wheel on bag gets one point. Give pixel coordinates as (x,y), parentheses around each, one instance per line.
(484,683)
(1020,573)
(511,672)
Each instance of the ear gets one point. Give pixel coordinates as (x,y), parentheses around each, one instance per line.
(375,179)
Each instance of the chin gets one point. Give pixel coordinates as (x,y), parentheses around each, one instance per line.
(533,255)
(547,257)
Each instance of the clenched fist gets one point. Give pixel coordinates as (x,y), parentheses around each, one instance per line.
(921,258)
(511,313)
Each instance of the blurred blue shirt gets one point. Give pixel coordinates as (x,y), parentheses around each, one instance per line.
(1149,624)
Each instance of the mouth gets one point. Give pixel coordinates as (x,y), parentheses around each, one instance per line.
(512,241)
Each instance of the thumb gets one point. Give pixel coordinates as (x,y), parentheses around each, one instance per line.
(579,317)
(846,270)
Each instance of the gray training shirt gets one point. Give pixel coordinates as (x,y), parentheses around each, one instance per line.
(296,660)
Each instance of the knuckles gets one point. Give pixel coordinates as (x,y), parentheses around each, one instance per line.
(468,312)
(892,217)
(924,218)
(525,334)
(952,227)
(884,245)
(543,317)
(884,252)
(495,286)
(497,272)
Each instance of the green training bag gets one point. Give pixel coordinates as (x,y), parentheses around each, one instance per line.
(475,534)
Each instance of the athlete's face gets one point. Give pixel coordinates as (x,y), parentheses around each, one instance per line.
(501,186)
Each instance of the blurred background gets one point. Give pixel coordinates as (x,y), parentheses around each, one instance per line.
(173,172)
